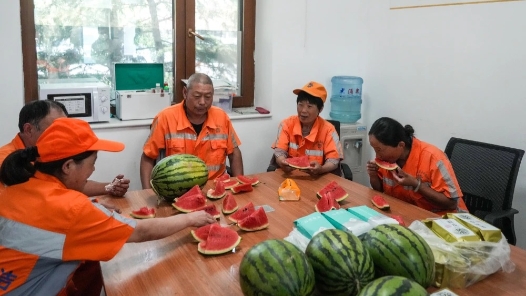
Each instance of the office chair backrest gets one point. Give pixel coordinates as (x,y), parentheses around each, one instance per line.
(486,173)
(336,125)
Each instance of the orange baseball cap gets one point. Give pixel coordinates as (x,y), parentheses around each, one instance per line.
(67,137)
(313,88)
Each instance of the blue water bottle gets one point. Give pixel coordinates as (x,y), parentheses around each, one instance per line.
(346,98)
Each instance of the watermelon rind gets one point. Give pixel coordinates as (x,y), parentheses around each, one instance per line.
(219,241)
(230,184)
(256,221)
(380,203)
(190,203)
(385,165)
(224,177)
(393,285)
(176,174)
(337,192)
(247,180)
(218,192)
(276,267)
(200,234)
(303,166)
(397,250)
(229,204)
(341,263)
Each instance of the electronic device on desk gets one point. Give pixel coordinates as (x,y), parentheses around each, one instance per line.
(138,90)
(84,98)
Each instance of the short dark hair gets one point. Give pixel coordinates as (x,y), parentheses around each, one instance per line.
(198,78)
(304,96)
(390,132)
(34,111)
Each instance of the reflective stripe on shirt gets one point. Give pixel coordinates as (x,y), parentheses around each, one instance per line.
(447,178)
(314,152)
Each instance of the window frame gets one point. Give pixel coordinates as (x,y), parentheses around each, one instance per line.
(184,63)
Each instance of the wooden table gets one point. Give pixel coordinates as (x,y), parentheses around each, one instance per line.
(172,266)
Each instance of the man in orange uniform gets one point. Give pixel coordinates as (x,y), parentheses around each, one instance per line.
(47,225)
(194,127)
(33,119)
(309,134)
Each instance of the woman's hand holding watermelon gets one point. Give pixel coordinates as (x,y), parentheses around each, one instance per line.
(283,164)
(200,218)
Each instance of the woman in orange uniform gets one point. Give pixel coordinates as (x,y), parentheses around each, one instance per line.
(49,228)
(424,176)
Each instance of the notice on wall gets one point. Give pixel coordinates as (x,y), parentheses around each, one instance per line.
(402,4)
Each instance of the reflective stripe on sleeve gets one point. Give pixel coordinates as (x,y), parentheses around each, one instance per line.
(447,178)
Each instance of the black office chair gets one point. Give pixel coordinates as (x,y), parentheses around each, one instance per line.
(343,171)
(487,174)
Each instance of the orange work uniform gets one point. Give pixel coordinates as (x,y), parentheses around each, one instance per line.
(16,144)
(172,132)
(321,144)
(432,166)
(47,230)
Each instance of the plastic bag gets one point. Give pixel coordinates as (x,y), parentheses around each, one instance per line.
(461,264)
(299,240)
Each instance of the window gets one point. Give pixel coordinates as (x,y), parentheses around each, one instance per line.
(84,38)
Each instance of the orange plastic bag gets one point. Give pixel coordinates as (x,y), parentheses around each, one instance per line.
(288,190)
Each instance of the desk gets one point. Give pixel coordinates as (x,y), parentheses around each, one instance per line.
(172,266)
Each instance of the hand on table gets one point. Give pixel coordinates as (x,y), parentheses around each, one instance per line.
(200,218)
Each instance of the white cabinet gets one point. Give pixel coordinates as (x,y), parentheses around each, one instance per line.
(353,137)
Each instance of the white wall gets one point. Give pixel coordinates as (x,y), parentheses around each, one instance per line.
(448,71)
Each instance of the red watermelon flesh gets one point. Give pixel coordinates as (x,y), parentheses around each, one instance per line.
(385,165)
(337,192)
(242,188)
(248,180)
(220,240)
(243,212)
(210,209)
(326,203)
(195,190)
(256,221)
(380,202)
(218,192)
(143,213)
(229,204)
(190,203)
(399,219)
(224,177)
(200,234)
(300,162)
(230,184)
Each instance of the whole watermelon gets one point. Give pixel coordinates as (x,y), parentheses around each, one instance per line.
(398,250)
(342,265)
(174,175)
(275,267)
(393,286)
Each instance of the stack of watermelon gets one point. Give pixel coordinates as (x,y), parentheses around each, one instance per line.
(250,219)
(190,201)
(214,239)
(330,196)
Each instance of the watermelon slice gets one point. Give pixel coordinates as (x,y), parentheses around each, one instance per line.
(143,213)
(229,204)
(193,191)
(189,203)
(242,188)
(380,202)
(219,240)
(385,165)
(242,213)
(256,221)
(399,219)
(224,177)
(200,234)
(230,184)
(218,192)
(210,209)
(337,192)
(300,162)
(326,203)
(248,180)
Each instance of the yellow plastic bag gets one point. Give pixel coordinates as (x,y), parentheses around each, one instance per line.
(288,190)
